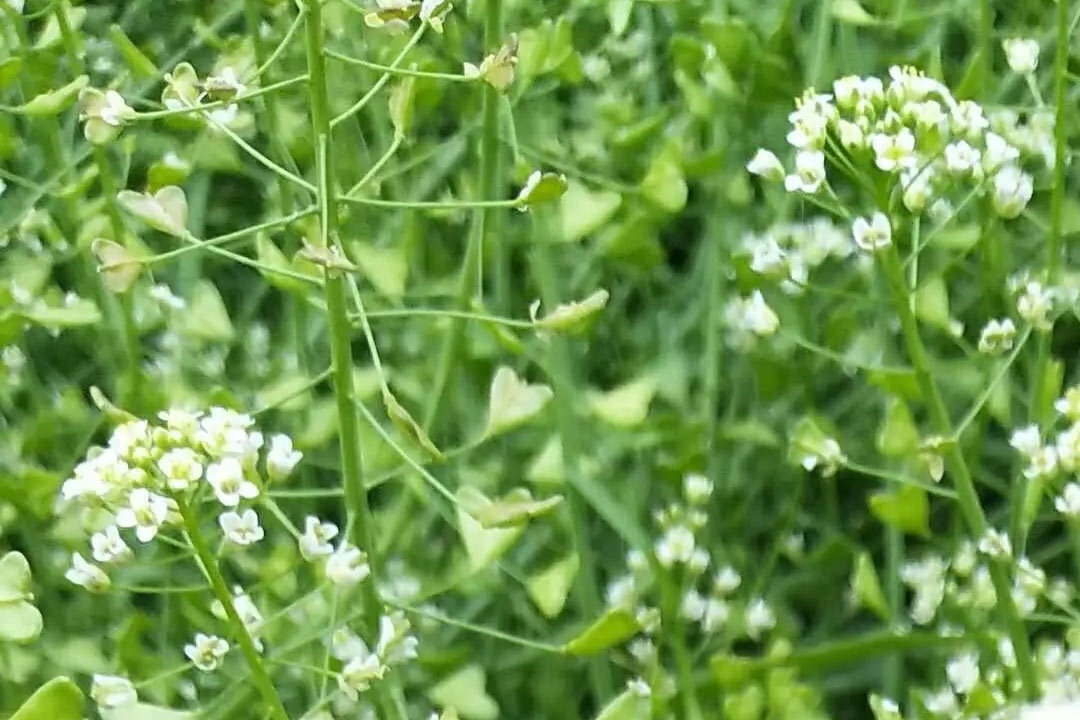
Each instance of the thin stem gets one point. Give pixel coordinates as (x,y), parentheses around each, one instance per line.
(206,558)
(202,107)
(359,104)
(431,205)
(968,498)
(391,70)
(375,168)
(586,586)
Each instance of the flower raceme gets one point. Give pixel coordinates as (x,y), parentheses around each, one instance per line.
(136,482)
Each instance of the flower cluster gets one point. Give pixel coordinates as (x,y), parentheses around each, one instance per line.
(787,252)
(363,665)
(1055,462)
(933,149)
(749,318)
(137,481)
(712,612)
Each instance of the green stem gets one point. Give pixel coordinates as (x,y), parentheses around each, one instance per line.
(986,51)
(356,499)
(261,678)
(894,593)
(586,586)
(470,284)
(968,498)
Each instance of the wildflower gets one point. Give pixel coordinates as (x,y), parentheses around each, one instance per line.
(942,703)
(146,512)
(1026,440)
(759,618)
(917,189)
(1012,191)
(676,546)
(766,165)
(927,579)
(643,650)
(699,559)
(111,691)
(180,424)
(884,708)
(621,592)
(104,114)
(108,546)
(230,485)
(967,119)
(893,153)
(1034,305)
(281,458)
(182,467)
(249,614)
(1022,55)
(995,544)
(87,575)
(809,172)
(716,615)
(395,645)
(206,651)
(697,488)
(727,580)
(358,674)
(315,542)
(1068,502)
(347,566)
(164,295)
(998,153)
(241,529)
(872,235)
(997,337)
(963,672)
(225,85)
(693,606)
(961,158)
(852,136)
(639,688)
(828,456)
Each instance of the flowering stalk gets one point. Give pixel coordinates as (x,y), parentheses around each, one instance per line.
(205,555)
(356,500)
(967,496)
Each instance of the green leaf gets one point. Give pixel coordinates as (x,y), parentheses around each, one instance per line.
(753,432)
(166,210)
(51,35)
(898,435)
(618,12)
(401,105)
(584,211)
(624,406)
(515,508)
(573,316)
(9,71)
(550,587)
(20,622)
(206,317)
(465,692)
(54,102)
(932,303)
(405,422)
(385,268)
(866,587)
(81,312)
(139,64)
(905,508)
(14,578)
(268,254)
(540,188)
(144,711)
(959,238)
(612,628)
(58,699)
(547,466)
(852,13)
(626,706)
(664,184)
(512,402)
(482,546)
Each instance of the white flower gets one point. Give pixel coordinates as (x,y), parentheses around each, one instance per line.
(851,135)
(182,467)
(942,703)
(225,432)
(759,618)
(247,610)
(998,153)
(111,691)
(1068,503)
(87,575)
(358,674)
(131,440)
(967,119)
(230,485)
(347,566)
(997,337)
(727,580)
(894,152)
(395,645)
(16,5)
(917,188)
(225,81)
(1069,403)
(872,235)
(1026,440)
(809,172)
(281,458)
(182,425)
(1042,464)
(1051,710)
(961,158)
(164,295)
(716,615)
(643,650)
(639,688)
(315,542)
(108,546)
(995,544)
(765,164)
(963,672)
(206,651)
(1034,305)
(1012,191)
(1022,54)
(675,546)
(697,488)
(146,512)
(115,111)
(241,529)
(693,606)
(699,559)
(621,592)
